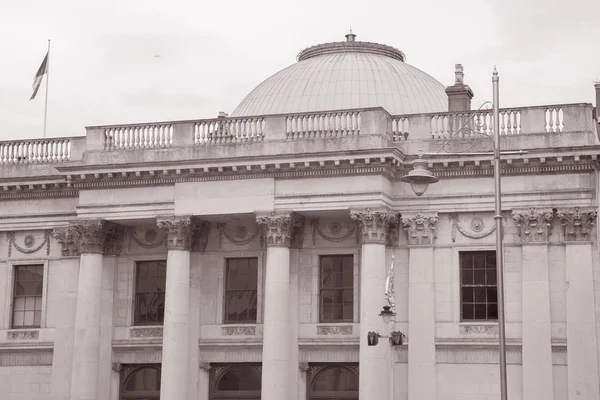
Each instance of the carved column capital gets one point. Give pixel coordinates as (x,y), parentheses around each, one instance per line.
(374,224)
(67,238)
(304,366)
(205,366)
(179,231)
(420,228)
(534,224)
(117,367)
(284,229)
(578,223)
(91,235)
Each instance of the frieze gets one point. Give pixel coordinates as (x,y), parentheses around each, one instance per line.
(534,224)
(238,330)
(336,232)
(578,223)
(477,225)
(420,227)
(241,236)
(146,332)
(477,330)
(375,224)
(29,243)
(228,353)
(329,353)
(137,355)
(334,330)
(23,335)
(152,238)
(28,357)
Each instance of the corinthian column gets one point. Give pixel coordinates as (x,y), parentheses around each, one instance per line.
(278,230)
(582,356)
(534,230)
(374,360)
(420,229)
(86,344)
(175,348)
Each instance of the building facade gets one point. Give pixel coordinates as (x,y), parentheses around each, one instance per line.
(247,256)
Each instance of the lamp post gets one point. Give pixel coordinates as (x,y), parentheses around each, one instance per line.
(420,178)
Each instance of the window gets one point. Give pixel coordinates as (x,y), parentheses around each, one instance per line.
(241,381)
(149,304)
(336,292)
(333,382)
(241,290)
(140,382)
(479,300)
(27,300)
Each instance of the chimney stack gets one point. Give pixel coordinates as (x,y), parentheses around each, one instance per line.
(459,94)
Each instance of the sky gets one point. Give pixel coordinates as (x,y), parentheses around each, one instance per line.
(127,61)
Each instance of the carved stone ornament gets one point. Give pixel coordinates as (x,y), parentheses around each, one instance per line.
(534,224)
(304,366)
(115,236)
(91,235)
(334,330)
(420,228)
(479,330)
(117,367)
(148,332)
(578,223)
(200,235)
(29,246)
(23,335)
(205,366)
(178,230)
(375,224)
(241,238)
(238,330)
(152,238)
(336,232)
(283,229)
(477,227)
(67,238)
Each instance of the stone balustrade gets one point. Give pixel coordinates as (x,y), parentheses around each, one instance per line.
(550,120)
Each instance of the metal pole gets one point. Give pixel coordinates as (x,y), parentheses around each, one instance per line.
(47,83)
(499,233)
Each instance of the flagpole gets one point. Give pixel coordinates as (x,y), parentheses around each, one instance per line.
(47,81)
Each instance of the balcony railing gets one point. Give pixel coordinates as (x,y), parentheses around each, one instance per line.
(551,120)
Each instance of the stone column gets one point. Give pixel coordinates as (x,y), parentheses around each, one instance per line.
(420,229)
(175,348)
(582,357)
(204,381)
(91,236)
(278,230)
(534,229)
(375,374)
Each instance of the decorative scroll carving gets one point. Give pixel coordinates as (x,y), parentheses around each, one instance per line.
(297,234)
(534,224)
(205,366)
(200,235)
(117,367)
(477,225)
(23,335)
(115,235)
(146,332)
(375,224)
(238,330)
(29,246)
(276,227)
(578,223)
(420,228)
(178,230)
(304,366)
(335,228)
(242,237)
(327,330)
(151,240)
(479,330)
(91,235)
(67,238)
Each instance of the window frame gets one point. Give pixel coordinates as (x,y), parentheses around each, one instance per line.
(457,297)
(134,284)
(225,290)
(10,293)
(316,284)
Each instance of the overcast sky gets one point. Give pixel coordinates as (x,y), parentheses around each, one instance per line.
(120,61)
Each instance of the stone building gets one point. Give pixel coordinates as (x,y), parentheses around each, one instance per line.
(246,256)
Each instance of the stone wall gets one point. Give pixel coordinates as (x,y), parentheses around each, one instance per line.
(25,382)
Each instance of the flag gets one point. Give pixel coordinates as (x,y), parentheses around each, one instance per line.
(37,81)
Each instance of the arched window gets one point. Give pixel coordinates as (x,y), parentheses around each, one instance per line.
(333,382)
(140,382)
(236,382)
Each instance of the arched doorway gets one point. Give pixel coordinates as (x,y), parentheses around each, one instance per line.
(140,382)
(333,382)
(236,382)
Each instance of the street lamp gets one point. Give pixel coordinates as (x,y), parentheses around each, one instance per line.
(419,177)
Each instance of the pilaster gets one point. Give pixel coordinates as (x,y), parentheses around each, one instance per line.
(534,231)
(204,381)
(420,230)
(582,359)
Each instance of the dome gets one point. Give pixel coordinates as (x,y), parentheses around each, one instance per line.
(346,75)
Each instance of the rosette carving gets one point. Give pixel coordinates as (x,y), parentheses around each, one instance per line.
(282,228)
(179,231)
(29,246)
(376,225)
(420,228)
(578,223)
(534,224)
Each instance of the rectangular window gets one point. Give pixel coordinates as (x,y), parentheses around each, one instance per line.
(336,291)
(27,300)
(149,304)
(241,290)
(479,300)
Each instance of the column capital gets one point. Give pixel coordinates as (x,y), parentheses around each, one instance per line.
(304,366)
(67,236)
(534,224)
(578,223)
(179,231)
(420,227)
(91,235)
(281,229)
(374,223)
(205,366)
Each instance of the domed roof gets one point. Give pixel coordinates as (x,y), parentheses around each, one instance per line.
(346,75)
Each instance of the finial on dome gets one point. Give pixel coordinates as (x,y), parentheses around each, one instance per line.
(351,36)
